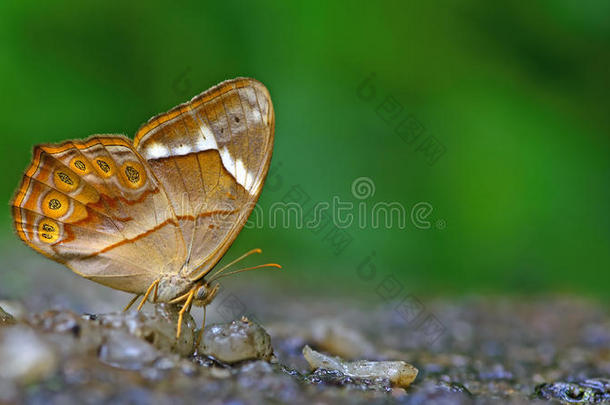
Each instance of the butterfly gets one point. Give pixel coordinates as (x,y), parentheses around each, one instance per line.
(155,216)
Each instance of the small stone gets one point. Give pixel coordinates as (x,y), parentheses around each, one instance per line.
(398,392)
(158,328)
(69,332)
(9,392)
(54,321)
(24,356)
(399,373)
(220,373)
(236,341)
(15,309)
(188,368)
(6,318)
(124,350)
(257,367)
(333,336)
(595,390)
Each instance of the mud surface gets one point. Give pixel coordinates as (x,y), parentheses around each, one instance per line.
(551,350)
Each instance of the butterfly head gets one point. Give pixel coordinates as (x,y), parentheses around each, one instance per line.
(205,294)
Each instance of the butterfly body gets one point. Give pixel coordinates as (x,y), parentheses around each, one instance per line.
(157,214)
(172,286)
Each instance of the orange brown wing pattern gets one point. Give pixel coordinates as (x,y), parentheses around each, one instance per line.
(212,155)
(96,207)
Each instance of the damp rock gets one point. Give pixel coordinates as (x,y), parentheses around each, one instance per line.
(157,328)
(587,391)
(124,350)
(399,373)
(14,308)
(9,392)
(69,332)
(264,377)
(236,341)
(132,340)
(6,318)
(339,379)
(24,356)
(62,322)
(443,392)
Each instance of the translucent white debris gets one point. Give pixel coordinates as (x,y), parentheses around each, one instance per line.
(400,373)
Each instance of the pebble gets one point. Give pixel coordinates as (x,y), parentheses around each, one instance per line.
(595,390)
(124,350)
(236,341)
(158,328)
(9,392)
(69,332)
(333,336)
(14,308)
(24,356)
(6,318)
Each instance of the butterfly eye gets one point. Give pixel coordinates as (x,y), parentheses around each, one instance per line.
(48,231)
(201,293)
(104,167)
(65,180)
(133,174)
(55,204)
(79,165)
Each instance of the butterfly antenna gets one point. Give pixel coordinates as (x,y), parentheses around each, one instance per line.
(260,266)
(240,258)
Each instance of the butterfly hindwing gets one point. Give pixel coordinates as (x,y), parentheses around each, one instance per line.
(95,206)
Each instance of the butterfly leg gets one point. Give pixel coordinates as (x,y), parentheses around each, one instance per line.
(133,300)
(150,289)
(185,307)
(156,293)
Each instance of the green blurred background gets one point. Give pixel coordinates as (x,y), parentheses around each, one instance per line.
(516,98)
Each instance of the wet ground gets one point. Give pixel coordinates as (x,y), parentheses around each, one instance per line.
(472,351)
(66,343)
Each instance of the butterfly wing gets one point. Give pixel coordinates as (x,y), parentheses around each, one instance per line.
(96,207)
(212,155)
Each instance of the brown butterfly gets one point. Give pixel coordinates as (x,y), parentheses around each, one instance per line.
(159,213)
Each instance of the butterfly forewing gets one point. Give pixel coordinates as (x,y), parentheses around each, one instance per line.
(212,155)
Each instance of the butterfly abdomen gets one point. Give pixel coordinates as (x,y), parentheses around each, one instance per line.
(172,286)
